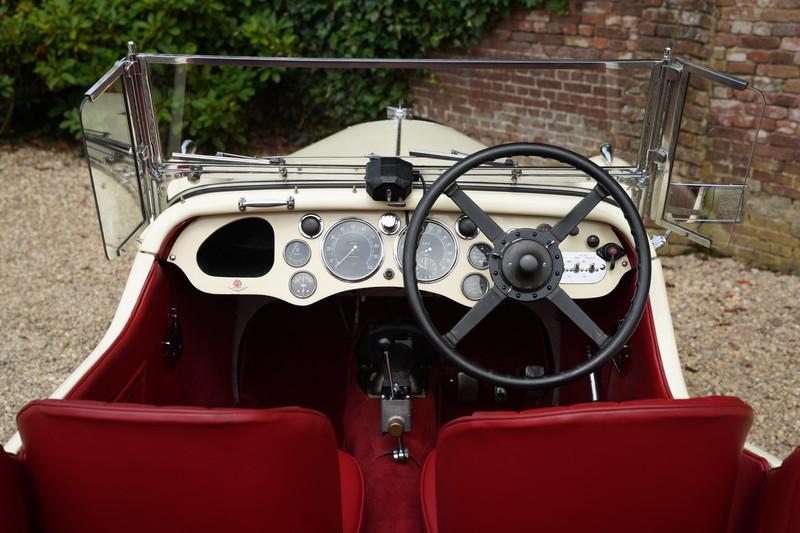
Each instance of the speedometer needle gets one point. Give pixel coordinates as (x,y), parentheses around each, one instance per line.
(425,251)
(353,249)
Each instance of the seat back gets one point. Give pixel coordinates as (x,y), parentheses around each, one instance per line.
(653,465)
(100,467)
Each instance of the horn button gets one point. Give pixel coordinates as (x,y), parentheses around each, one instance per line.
(526,264)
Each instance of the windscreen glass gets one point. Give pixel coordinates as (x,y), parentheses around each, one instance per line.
(295,124)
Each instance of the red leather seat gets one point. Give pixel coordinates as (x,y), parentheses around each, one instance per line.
(96,467)
(653,465)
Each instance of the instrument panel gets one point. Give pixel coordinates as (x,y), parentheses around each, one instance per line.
(324,253)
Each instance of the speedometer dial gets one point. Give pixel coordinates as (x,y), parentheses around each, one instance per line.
(352,250)
(436,252)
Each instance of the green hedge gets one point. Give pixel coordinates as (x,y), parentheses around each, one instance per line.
(52,50)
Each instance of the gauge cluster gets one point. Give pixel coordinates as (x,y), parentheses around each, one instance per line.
(323,253)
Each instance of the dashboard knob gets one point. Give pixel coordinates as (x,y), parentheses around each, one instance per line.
(311,225)
(611,252)
(389,223)
(467,229)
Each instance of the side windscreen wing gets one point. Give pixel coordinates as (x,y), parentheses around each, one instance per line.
(714,135)
(117,180)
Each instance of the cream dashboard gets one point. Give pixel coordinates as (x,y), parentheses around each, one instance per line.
(304,256)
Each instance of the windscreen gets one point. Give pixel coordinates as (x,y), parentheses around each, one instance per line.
(318,123)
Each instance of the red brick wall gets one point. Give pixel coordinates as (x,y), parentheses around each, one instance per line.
(758,40)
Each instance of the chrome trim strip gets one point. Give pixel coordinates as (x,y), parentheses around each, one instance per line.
(733,82)
(108,79)
(368,63)
(325,260)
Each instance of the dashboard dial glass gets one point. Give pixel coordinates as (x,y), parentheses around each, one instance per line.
(297,253)
(474,286)
(479,255)
(352,250)
(436,252)
(302,284)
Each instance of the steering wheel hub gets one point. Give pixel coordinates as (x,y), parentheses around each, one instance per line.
(527,264)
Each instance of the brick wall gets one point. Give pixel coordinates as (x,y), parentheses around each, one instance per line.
(758,40)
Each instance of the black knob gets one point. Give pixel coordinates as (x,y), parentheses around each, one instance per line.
(611,252)
(310,225)
(467,228)
(593,241)
(528,263)
(384,344)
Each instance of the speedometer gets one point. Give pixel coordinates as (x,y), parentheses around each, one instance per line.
(436,252)
(352,250)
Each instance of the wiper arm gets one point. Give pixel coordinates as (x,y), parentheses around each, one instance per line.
(455,155)
(230,159)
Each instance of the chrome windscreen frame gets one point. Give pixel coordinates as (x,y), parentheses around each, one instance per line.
(648,178)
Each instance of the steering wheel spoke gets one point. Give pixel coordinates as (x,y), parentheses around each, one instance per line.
(578,213)
(526,266)
(475,315)
(568,306)
(486,224)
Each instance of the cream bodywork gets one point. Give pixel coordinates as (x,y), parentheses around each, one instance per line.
(225,205)
(211,210)
(519,211)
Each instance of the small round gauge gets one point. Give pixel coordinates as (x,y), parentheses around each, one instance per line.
(474,286)
(436,252)
(297,253)
(352,250)
(479,255)
(302,284)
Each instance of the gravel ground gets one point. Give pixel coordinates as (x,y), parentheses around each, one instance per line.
(738,328)
(738,332)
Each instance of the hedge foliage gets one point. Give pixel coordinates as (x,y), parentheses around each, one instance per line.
(52,50)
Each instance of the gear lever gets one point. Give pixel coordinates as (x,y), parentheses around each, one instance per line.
(395,405)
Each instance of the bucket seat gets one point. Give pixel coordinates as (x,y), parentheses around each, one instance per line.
(650,465)
(94,467)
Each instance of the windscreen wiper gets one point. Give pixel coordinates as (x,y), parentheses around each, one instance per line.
(455,155)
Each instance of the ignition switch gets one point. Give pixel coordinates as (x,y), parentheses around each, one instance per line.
(611,252)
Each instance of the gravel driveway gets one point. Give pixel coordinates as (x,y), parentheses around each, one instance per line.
(738,328)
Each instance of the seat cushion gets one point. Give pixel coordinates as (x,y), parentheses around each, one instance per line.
(110,467)
(652,465)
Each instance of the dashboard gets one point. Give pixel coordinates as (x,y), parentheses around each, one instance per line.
(303,257)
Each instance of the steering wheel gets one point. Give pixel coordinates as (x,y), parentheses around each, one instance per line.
(526,265)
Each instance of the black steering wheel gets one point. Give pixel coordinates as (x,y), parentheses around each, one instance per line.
(526,265)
